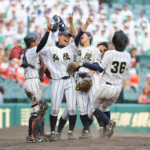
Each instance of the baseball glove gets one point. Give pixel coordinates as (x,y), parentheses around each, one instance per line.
(74,66)
(16,52)
(84,85)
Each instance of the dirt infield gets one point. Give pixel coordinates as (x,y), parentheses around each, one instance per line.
(13,138)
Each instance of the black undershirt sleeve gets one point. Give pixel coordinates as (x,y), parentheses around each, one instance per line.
(78,36)
(42,42)
(93,67)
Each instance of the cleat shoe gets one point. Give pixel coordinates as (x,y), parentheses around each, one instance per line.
(110,128)
(102,132)
(71,136)
(85,135)
(30,139)
(47,136)
(58,135)
(53,136)
(41,139)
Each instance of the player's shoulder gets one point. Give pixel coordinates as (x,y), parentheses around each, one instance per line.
(127,54)
(110,52)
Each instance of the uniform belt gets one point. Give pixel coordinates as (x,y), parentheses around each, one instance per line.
(83,75)
(108,83)
(65,77)
(34,105)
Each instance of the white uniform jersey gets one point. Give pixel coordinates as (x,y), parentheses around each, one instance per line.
(57,59)
(89,54)
(32,58)
(114,63)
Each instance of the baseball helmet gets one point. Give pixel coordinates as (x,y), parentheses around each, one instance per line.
(57,23)
(31,37)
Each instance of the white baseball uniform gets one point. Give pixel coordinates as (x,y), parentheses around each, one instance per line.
(32,85)
(91,55)
(57,61)
(85,100)
(114,64)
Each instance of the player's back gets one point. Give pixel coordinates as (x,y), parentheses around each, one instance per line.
(114,64)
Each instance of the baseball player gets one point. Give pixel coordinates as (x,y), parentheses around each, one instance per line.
(57,59)
(113,65)
(90,54)
(103,47)
(32,86)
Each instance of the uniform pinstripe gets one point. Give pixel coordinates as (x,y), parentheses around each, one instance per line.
(57,61)
(85,100)
(114,63)
(32,85)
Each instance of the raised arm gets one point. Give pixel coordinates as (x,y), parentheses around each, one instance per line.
(72,28)
(82,30)
(45,37)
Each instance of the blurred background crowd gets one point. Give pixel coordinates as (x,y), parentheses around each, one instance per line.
(19,17)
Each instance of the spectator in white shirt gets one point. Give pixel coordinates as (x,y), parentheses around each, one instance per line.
(145,45)
(20,35)
(116,16)
(8,35)
(125,12)
(142,18)
(131,24)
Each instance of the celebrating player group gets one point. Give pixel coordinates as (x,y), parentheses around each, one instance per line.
(74,66)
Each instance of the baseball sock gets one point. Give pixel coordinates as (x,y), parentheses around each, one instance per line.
(85,122)
(53,120)
(30,124)
(72,122)
(61,125)
(108,115)
(101,123)
(90,121)
(101,116)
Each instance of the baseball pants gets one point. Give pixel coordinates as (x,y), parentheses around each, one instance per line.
(33,90)
(58,88)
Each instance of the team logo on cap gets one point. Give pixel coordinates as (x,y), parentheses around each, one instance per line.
(55,57)
(66,56)
(67,30)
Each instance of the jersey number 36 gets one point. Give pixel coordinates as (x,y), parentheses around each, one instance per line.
(118,66)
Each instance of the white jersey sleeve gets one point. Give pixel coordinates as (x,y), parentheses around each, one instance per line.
(96,55)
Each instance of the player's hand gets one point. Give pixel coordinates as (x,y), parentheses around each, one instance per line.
(89,20)
(49,25)
(70,18)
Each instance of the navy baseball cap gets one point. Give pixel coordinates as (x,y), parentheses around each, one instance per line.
(125,4)
(65,32)
(106,44)
(142,12)
(89,34)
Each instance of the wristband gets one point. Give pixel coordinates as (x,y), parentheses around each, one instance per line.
(88,76)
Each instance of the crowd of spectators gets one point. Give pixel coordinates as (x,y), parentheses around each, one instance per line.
(18,17)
